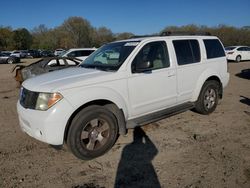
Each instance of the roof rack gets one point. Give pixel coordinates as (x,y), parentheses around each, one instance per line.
(143,36)
(180,33)
(175,33)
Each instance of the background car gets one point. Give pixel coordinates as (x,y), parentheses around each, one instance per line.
(19,53)
(238,53)
(33,53)
(58,52)
(80,53)
(6,57)
(44,65)
(46,53)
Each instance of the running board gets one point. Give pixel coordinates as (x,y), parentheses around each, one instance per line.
(156,116)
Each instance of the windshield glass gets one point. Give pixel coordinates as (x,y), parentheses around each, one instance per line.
(230,48)
(110,56)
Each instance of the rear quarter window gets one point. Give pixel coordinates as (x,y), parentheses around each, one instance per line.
(214,48)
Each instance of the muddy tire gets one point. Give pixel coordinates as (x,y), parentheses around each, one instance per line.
(208,98)
(92,132)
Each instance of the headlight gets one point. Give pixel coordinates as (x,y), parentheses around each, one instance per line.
(47,100)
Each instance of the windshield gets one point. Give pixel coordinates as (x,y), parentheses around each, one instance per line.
(110,56)
(230,48)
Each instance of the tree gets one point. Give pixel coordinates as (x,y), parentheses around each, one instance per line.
(102,35)
(6,38)
(76,32)
(22,38)
(124,35)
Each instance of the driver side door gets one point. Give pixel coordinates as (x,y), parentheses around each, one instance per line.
(153,89)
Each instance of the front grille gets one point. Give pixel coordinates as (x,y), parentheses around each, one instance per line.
(28,98)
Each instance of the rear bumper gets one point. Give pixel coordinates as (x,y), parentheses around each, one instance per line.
(225,80)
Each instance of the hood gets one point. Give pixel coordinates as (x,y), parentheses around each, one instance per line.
(65,79)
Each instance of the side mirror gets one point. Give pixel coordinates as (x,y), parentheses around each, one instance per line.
(143,66)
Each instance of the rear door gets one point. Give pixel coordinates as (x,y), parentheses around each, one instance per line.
(248,53)
(243,53)
(189,67)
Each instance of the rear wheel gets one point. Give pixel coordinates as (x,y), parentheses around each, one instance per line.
(92,133)
(238,59)
(208,98)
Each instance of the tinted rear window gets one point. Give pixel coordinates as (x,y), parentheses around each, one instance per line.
(187,51)
(214,48)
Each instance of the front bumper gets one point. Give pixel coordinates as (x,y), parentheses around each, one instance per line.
(46,126)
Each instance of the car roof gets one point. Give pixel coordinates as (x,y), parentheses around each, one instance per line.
(140,39)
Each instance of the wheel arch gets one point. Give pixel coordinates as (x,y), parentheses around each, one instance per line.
(206,77)
(111,106)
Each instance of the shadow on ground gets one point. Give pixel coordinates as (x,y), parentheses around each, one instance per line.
(245,74)
(135,168)
(245,100)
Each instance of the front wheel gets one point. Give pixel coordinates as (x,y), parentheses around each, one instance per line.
(208,98)
(92,133)
(10,61)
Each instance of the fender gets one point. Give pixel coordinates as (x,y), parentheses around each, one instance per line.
(82,96)
(203,77)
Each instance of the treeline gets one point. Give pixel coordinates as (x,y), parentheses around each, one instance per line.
(78,32)
(228,35)
(72,33)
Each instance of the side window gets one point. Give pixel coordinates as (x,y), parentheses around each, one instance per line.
(187,51)
(83,53)
(214,48)
(241,49)
(70,62)
(72,54)
(61,62)
(52,63)
(154,52)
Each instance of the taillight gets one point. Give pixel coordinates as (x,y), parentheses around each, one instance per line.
(230,52)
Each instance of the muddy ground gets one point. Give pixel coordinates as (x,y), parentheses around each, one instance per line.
(186,150)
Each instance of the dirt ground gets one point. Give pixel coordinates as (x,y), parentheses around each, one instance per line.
(186,150)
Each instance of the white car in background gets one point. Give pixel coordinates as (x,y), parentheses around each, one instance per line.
(19,53)
(238,53)
(59,52)
(79,53)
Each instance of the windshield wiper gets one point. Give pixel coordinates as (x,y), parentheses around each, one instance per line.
(97,67)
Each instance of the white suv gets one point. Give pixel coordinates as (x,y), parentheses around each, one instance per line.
(122,85)
(80,53)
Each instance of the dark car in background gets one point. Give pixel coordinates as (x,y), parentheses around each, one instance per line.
(33,53)
(46,53)
(5,57)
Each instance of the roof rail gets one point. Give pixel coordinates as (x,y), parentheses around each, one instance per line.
(174,33)
(180,33)
(143,36)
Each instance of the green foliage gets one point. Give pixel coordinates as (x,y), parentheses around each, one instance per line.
(229,35)
(6,38)
(22,39)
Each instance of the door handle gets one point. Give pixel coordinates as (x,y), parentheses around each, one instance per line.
(171,73)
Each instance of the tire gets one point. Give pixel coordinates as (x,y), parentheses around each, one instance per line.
(238,59)
(92,133)
(208,98)
(10,61)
